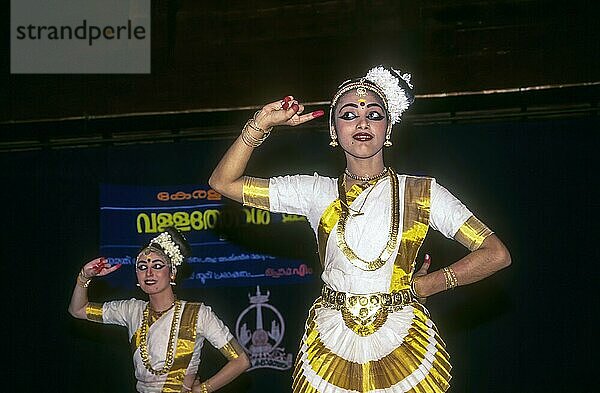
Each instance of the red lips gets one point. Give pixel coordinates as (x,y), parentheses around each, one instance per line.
(362,136)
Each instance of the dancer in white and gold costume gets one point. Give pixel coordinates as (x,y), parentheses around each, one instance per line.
(367,332)
(166,334)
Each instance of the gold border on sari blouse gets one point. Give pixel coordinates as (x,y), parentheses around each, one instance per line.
(472,233)
(93,311)
(255,192)
(231,350)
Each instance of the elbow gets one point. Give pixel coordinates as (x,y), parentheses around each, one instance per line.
(79,314)
(503,257)
(215,183)
(244,362)
(74,313)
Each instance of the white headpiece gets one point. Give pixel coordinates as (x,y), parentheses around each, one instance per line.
(398,99)
(169,247)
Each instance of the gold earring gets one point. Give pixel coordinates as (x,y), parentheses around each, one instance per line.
(333,137)
(388,135)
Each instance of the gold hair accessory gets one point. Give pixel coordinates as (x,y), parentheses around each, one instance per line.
(361,92)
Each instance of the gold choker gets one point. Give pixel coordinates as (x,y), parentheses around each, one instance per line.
(366,178)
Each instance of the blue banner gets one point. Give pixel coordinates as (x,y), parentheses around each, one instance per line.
(132,215)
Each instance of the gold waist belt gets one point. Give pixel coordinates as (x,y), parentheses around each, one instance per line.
(365,314)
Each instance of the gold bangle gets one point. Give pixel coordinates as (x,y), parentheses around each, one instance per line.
(256,127)
(205,387)
(450,278)
(413,289)
(249,139)
(187,388)
(82,281)
(82,272)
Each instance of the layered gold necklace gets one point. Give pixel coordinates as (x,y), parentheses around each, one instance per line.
(392,242)
(170,358)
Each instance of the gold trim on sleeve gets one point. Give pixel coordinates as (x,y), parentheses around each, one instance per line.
(93,311)
(231,350)
(256,192)
(472,233)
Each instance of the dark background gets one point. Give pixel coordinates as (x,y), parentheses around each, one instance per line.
(506,118)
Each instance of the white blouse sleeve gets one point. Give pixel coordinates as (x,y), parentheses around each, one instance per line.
(212,328)
(293,194)
(448,214)
(116,312)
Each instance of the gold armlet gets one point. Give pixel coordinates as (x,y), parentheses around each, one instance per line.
(255,192)
(231,350)
(472,233)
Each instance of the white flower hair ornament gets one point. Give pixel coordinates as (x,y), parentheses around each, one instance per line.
(397,89)
(169,248)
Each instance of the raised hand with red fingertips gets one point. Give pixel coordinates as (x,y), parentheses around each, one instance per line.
(99,267)
(287,111)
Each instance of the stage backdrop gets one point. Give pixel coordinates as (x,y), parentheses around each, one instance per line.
(526,329)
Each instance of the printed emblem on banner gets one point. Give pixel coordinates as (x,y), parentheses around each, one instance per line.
(261,344)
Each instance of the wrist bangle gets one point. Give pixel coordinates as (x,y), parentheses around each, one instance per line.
(256,127)
(205,387)
(83,281)
(249,139)
(82,273)
(413,290)
(450,278)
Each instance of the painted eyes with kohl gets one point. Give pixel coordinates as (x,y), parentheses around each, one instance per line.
(156,265)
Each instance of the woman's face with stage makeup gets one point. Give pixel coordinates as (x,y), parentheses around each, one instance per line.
(152,271)
(360,122)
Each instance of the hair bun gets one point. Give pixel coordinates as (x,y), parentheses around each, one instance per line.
(397,88)
(180,240)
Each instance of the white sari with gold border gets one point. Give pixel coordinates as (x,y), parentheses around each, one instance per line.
(195,323)
(405,353)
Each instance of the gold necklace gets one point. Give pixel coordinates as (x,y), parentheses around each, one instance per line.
(170,358)
(390,246)
(365,178)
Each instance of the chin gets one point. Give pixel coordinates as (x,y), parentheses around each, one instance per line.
(363,153)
